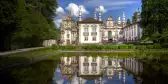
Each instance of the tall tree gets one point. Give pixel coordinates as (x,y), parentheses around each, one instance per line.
(7,23)
(128,21)
(33,26)
(135,17)
(45,7)
(154,20)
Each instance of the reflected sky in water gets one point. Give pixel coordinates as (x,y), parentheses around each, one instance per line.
(98,70)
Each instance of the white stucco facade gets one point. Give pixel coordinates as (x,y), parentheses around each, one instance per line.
(132,32)
(89,65)
(90,33)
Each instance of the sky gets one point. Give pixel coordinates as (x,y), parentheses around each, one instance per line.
(112,8)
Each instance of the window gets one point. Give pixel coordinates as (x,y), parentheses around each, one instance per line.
(67,35)
(73,34)
(86,59)
(93,38)
(85,38)
(93,59)
(86,30)
(86,68)
(93,29)
(93,68)
(86,65)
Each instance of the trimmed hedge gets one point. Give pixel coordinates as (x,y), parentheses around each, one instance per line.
(107,47)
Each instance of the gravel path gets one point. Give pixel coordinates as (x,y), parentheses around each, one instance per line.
(18,51)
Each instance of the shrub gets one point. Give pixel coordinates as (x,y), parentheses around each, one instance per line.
(113,46)
(54,46)
(70,47)
(149,46)
(106,47)
(157,46)
(140,47)
(123,46)
(100,47)
(89,47)
(63,47)
(165,45)
(131,46)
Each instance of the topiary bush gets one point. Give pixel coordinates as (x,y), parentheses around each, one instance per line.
(113,47)
(140,47)
(149,46)
(157,46)
(70,47)
(123,46)
(131,46)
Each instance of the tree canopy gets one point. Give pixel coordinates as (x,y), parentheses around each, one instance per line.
(155,20)
(128,21)
(26,23)
(135,17)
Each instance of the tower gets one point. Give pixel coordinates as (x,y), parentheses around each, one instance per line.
(100,14)
(80,13)
(95,17)
(119,20)
(139,15)
(123,19)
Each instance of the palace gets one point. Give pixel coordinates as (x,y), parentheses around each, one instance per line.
(78,69)
(96,31)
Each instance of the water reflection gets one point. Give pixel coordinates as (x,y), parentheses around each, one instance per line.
(98,70)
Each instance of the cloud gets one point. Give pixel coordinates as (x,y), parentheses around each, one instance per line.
(60,11)
(60,14)
(74,9)
(59,81)
(57,22)
(102,9)
(109,4)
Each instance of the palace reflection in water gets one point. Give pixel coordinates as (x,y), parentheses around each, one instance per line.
(98,70)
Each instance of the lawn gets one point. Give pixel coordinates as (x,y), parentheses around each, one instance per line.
(24,56)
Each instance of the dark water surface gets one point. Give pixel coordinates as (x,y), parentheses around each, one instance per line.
(84,68)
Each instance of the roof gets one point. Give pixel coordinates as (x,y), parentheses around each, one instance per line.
(131,24)
(90,20)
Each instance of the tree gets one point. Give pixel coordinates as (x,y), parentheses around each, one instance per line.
(135,17)
(26,23)
(154,19)
(45,7)
(128,21)
(7,23)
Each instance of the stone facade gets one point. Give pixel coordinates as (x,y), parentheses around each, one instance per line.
(112,30)
(95,31)
(68,31)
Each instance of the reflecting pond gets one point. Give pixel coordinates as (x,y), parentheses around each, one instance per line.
(92,68)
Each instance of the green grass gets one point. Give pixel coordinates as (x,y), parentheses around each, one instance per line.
(24,56)
(33,53)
